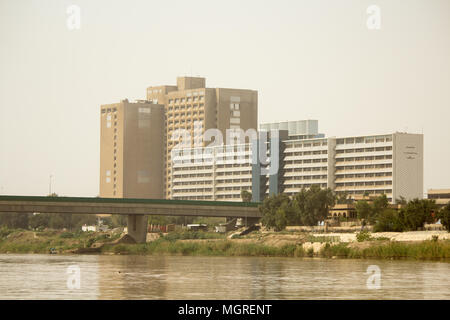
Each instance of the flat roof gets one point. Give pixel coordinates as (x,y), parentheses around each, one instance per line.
(437,191)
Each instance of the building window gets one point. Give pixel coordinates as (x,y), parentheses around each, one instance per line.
(144,110)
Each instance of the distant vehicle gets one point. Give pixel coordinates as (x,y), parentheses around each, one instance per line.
(53,251)
(221,228)
(97,228)
(197,227)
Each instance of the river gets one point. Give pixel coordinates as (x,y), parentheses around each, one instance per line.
(34,276)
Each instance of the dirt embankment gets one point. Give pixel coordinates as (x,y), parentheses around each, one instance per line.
(268,239)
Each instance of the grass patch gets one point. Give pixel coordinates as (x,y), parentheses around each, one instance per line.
(187,235)
(207,248)
(23,241)
(425,250)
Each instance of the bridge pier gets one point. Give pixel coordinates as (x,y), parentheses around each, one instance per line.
(137,227)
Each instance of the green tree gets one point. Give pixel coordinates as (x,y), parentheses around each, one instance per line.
(313,205)
(444,216)
(369,211)
(40,220)
(344,198)
(280,219)
(78,220)
(275,211)
(246,196)
(401,200)
(161,220)
(363,209)
(411,216)
(379,204)
(418,212)
(389,220)
(14,220)
(58,221)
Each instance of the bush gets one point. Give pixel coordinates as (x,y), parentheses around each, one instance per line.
(444,216)
(389,221)
(363,236)
(66,235)
(90,242)
(184,235)
(4,232)
(417,212)
(339,250)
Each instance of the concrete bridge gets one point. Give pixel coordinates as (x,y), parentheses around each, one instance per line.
(136,209)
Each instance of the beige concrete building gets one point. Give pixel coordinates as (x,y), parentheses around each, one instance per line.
(131,164)
(441,196)
(390,164)
(193,107)
(220,177)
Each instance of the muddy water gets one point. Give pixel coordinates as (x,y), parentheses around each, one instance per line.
(177,277)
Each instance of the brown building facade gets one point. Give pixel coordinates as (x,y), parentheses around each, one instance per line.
(137,139)
(131,165)
(191,102)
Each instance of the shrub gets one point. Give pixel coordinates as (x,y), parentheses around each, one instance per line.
(363,236)
(5,231)
(417,212)
(340,250)
(444,216)
(389,221)
(90,242)
(66,235)
(184,235)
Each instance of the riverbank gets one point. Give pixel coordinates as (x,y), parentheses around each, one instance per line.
(267,244)
(424,250)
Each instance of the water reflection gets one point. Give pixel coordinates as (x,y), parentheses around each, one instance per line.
(174,277)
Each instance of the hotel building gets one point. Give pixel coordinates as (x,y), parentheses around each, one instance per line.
(192,107)
(390,164)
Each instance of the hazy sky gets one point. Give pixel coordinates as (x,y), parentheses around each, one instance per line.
(307,59)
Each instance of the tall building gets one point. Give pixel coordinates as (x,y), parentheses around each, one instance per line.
(217,178)
(131,165)
(193,107)
(390,164)
(301,129)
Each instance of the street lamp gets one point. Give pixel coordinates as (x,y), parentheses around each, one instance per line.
(50,185)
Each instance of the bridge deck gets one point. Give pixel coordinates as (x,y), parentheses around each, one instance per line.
(21,204)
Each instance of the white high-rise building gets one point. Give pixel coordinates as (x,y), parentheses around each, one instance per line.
(390,164)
